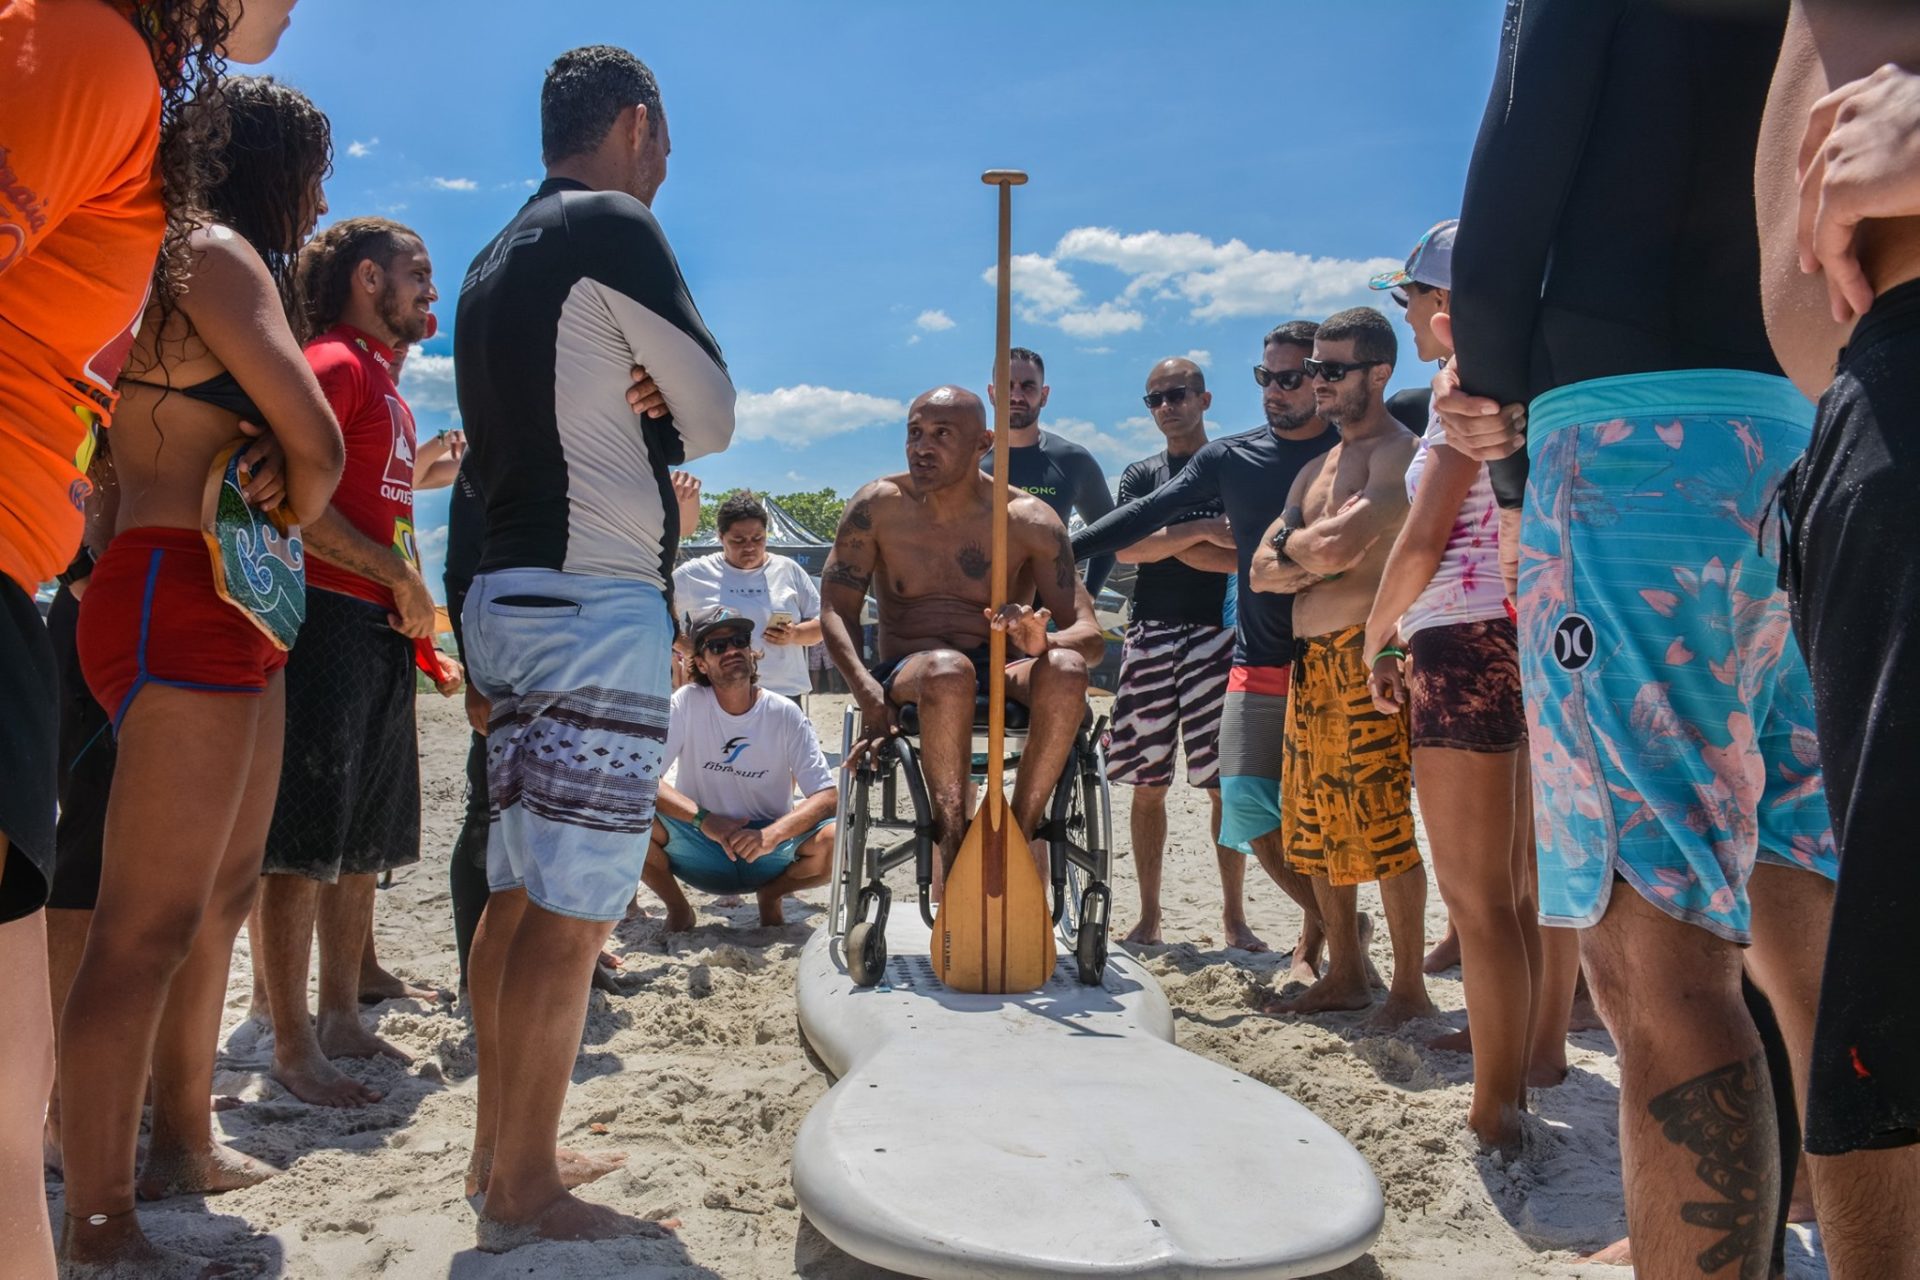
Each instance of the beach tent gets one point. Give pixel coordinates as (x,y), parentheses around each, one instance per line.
(785,536)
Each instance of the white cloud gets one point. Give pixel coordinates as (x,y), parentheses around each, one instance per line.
(934,321)
(1202,358)
(361,150)
(1096,351)
(427,383)
(455,184)
(913,339)
(799,415)
(1126,441)
(1214,281)
(433,542)
(1038,282)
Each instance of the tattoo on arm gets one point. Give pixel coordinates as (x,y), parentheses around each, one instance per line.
(841,575)
(1718,1117)
(860,515)
(974,562)
(1062,560)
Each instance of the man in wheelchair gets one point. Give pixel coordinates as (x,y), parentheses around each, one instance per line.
(920,540)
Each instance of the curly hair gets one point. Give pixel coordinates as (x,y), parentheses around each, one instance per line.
(325,269)
(279,148)
(187,41)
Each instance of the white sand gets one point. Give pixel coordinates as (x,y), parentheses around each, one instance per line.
(699,1072)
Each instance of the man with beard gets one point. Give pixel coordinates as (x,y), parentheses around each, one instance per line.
(1347,792)
(919,539)
(349,800)
(729,824)
(1248,475)
(1055,470)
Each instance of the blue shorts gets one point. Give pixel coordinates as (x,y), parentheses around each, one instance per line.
(702,863)
(1253,740)
(1669,713)
(576,670)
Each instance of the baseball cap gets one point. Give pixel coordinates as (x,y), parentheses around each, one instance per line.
(1430,263)
(715,619)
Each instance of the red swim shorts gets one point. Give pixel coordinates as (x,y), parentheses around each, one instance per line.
(151,616)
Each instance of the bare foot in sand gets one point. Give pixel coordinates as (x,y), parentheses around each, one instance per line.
(1585,1016)
(348,1037)
(1617,1254)
(728,901)
(1241,938)
(567,1218)
(1365,927)
(312,1079)
(376,984)
(1400,1010)
(199,1173)
(115,1249)
(773,910)
(1145,934)
(634,910)
(604,980)
(1546,1073)
(577,1168)
(1328,995)
(1460,1041)
(680,916)
(1445,954)
(1500,1131)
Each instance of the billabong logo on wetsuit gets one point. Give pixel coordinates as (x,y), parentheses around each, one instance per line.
(1573,642)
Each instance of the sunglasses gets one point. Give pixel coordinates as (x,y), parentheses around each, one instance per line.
(1285,379)
(726,644)
(1334,370)
(1172,395)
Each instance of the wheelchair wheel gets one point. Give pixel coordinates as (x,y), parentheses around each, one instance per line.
(866,953)
(1090,944)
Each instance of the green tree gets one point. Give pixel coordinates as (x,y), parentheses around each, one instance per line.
(818,511)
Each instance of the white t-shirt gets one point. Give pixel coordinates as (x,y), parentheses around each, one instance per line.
(780,585)
(1467,586)
(743,766)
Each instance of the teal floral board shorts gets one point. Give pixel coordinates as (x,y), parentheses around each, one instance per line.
(1669,713)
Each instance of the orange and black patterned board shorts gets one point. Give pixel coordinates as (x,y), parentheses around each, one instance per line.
(1346,792)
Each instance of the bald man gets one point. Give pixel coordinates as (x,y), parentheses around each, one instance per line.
(920,540)
(1179,651)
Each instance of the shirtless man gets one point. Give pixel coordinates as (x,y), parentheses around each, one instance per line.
(920,539)
(1346,813)
(1838,188)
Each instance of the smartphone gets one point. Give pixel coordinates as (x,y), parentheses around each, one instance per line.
(779,618)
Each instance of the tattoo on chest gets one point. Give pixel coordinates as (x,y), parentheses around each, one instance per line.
(1718,1117)
(973,561)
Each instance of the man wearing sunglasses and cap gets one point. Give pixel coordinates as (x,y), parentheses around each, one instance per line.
(1248,475)
(728,823)
(1347,789)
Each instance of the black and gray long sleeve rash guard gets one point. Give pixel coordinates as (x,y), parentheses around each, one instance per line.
(1608,225)
(553,314)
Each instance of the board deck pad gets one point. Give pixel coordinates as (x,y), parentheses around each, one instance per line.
(259,561)
(1058,1132)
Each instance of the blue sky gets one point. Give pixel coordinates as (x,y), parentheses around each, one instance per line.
(1200,172)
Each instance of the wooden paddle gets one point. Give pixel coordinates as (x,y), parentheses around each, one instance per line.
(994,932)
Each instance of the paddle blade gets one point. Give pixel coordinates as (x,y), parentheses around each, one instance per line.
(994,932)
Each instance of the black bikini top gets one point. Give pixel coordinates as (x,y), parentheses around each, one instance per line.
(222,391)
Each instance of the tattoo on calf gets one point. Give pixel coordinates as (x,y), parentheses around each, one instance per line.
(974,562)
(1719,1118)
(841,575)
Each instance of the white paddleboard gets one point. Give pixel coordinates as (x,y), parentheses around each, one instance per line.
(1055,1134)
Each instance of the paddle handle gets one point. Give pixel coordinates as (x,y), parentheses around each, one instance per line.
(1006,180)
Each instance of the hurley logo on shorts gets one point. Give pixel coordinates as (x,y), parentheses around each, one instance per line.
(1573,642)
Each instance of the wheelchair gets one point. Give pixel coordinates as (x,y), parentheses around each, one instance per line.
(876,835)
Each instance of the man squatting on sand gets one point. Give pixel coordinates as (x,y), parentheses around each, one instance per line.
(919,539)
(567,625)
(1177,657)
(730,824)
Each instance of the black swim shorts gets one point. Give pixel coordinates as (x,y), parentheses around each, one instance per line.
(1855,586)
(87,755)
(349,801)
(29,698)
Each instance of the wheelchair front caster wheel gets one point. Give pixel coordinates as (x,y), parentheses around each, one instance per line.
(866,953)
(1090,945)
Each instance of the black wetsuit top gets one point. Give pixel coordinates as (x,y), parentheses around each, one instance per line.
(466,540)
(1608,225)
(1168,590)
(579,287)
(1065,477)
(1249,475)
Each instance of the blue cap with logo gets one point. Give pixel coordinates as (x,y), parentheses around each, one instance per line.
(1430,263)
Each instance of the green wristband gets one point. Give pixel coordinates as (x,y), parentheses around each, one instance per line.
(1389,651)
(700,817)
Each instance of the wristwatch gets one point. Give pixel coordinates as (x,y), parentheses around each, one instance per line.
(1279,540)
(700,817)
